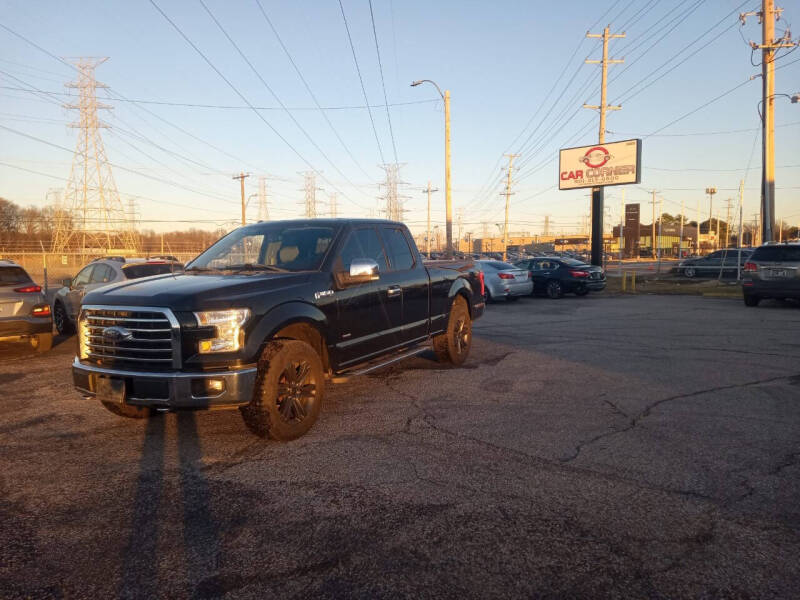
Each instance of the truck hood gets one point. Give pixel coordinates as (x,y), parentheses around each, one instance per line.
(195,292)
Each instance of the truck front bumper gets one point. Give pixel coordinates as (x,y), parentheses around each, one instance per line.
(168,390)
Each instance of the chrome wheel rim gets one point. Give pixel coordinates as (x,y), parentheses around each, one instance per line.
(297,392)
(58,317)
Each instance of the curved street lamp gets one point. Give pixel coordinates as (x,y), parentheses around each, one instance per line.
(447,190)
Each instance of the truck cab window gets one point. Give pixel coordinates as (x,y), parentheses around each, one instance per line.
(362,243)
(400,256)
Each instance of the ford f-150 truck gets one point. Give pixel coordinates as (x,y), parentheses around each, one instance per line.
(266,315)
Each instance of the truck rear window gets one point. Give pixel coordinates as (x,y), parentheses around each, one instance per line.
(777,253)
(13,275)
(135,271)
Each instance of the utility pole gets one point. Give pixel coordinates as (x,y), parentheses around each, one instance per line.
(621,227)
(459,218)
(741,230)
(653,234)
(769,45)
(507,194)
(680,235)
(729,203)
(710,191)
(447,188)
(332,205)
(660,220)
(241,177)
(597,192)
(429,190)
(263,207)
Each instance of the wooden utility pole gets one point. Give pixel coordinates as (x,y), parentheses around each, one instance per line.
(241,178)
(507,194)
(429,190)
(653,234)
(447,187)
(597,192)
(769,45)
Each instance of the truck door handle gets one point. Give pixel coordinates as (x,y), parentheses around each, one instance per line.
(394,290)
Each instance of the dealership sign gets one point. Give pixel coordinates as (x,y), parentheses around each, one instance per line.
(616,163)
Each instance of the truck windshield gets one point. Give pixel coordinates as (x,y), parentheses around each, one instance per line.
(286,247)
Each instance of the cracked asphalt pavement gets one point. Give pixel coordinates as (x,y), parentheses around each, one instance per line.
(643,446)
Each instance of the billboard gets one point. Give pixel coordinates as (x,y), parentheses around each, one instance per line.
(616,163)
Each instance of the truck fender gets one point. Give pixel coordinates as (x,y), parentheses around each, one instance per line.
(462,287)
(280,317)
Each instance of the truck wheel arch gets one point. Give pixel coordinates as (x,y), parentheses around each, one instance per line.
(462,288)
(305,331)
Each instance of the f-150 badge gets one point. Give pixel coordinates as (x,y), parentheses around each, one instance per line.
(322,294)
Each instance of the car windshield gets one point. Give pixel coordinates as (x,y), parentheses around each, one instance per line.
(135,271)
(13,276)
(267,247)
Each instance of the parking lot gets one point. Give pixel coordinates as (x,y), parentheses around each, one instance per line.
(637,446)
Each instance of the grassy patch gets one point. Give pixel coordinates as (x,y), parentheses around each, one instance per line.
(689,287)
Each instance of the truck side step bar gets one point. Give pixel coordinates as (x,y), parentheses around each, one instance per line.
(379,365)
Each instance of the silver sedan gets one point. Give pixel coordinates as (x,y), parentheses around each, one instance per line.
(503,280)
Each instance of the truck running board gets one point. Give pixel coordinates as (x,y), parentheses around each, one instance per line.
(379,365)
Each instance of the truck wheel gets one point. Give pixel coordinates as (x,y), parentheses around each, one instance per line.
(288,393)
(63,324)
(453,346)
(42,342)
(751,300)
(127,410)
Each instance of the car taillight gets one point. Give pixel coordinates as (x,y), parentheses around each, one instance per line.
(505,276)
(530,275)
(482,279)
(578,273)
(29,289)
(41,311)
(750,266)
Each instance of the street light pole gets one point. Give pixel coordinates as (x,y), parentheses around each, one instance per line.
(447,187)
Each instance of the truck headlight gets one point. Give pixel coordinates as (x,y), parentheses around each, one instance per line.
(229,335)
(83,337)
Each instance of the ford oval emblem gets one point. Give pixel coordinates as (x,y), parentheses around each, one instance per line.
(117,334)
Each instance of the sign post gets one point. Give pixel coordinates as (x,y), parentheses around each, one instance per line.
(596,167)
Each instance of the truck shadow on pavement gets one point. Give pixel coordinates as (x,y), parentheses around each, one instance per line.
(201,544)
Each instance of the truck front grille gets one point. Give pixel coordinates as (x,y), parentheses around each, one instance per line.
(130,338)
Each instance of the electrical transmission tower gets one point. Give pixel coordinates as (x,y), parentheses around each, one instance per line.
(263,209)
(93,218)
(310,188)
(393,200)
(332,205)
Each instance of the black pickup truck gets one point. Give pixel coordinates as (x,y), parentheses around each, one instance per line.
(266,315)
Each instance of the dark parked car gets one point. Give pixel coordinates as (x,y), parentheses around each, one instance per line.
(24,312)
(725,261)
(773,271)
(266,315)
(557,276)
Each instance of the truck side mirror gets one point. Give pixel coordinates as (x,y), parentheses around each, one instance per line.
(362,270)
(67,282)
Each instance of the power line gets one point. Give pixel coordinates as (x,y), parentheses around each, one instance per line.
(238,93)
(383,83)
(361,80)
(236,106)
(308,88)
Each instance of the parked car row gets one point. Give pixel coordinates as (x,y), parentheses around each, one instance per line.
(547,275)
